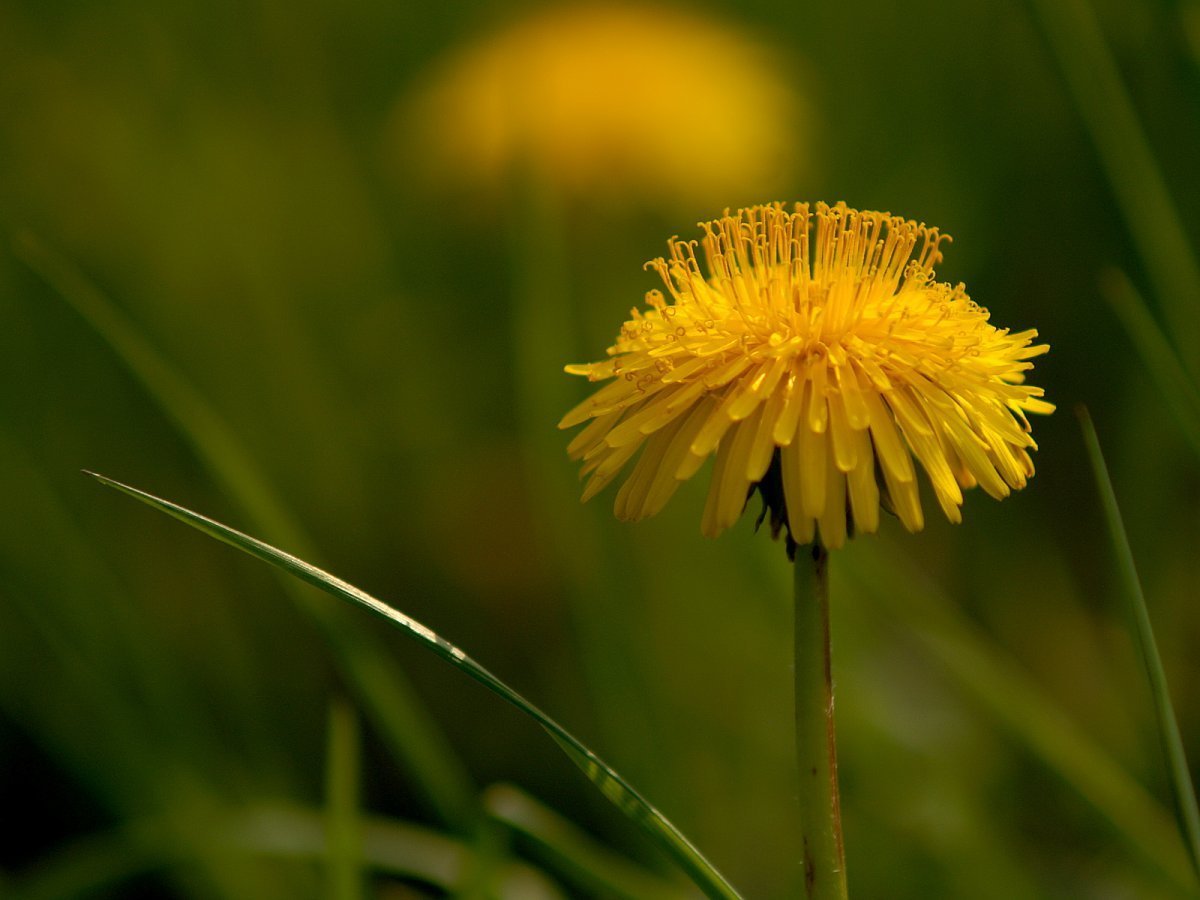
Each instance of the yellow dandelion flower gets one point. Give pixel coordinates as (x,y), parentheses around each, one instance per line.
(601,100)
(816,367)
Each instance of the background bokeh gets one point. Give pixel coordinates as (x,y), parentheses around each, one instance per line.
(314,269)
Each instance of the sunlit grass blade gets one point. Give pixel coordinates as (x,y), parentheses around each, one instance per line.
(384,690)
(1137,181)
(612,785)
(1000,685)
(593,869)
(1159,357)
(1182,789)
(344,838)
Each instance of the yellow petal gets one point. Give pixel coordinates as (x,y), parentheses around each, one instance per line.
(709,522)
(593,434)
(864,492)
(812,447)
(793,403)
(833,520)
(607,469)
(893,454)
(841,434)
(632,495)
(665,482)
(801,526)
(736,481)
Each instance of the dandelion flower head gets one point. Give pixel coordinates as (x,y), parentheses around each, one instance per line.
(815,354)
(594,100)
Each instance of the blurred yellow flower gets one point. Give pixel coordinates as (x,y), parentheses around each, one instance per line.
(815,370)
(611,101)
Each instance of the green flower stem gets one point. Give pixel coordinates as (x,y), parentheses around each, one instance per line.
(824,858)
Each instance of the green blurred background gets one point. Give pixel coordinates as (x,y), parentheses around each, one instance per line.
(235,275)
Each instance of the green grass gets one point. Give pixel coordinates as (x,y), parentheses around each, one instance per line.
(232,280)
(610,784)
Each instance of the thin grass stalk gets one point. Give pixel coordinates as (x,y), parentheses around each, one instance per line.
(824,857)
(1142,633)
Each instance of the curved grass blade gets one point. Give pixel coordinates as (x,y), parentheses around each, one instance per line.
(612,785)
(385,693)
(1182,789)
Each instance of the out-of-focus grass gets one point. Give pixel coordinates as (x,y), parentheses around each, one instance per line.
(226,175)
(343,824)
(1136,179)
(382,685)
(1158,355)
(592,868)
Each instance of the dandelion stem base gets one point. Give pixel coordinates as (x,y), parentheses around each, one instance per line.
(823,856)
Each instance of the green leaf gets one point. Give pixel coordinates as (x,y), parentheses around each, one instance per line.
(1184,793)
(612,785)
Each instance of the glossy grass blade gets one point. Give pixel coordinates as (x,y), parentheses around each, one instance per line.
(612,785)
(1182,789)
